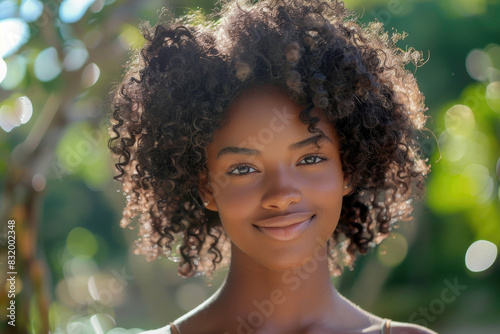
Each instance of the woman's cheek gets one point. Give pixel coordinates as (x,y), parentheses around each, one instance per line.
(328,182)
(237,198)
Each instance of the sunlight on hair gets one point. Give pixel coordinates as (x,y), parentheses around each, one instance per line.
(480,255)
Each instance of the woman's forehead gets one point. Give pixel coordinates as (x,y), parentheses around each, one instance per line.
(266,113)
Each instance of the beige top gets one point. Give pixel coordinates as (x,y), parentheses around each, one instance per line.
(172,329)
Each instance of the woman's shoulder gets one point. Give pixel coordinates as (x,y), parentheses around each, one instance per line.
(407,328)
(396,328)
(163,330)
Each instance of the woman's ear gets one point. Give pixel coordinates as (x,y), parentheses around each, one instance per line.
(206,192)
(347,186)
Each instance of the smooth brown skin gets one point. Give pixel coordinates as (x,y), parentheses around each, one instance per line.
(291,278)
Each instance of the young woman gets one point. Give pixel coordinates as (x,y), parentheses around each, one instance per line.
(276,138)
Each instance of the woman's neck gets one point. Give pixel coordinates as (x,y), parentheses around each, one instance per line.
(256,299)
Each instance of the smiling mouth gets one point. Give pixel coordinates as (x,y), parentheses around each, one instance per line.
(286,233)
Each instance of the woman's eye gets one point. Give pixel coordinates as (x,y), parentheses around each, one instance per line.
(241,170)
(312,159)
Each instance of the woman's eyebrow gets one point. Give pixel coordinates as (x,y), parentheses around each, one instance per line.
(237,150)
(309,141)
(295,146)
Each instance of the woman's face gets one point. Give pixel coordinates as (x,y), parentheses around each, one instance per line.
(265,170)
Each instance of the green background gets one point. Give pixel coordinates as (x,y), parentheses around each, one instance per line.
(76,273)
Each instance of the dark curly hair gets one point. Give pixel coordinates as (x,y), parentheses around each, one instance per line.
(180,85)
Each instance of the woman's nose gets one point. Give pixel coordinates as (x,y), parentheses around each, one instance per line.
(280,190)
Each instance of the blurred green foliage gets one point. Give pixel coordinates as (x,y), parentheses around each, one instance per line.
(96,284)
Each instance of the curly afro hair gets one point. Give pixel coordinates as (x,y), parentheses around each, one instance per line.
(181,83)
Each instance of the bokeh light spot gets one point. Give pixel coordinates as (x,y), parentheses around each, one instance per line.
(106,289)
(455,148)
(15,33)
(90,75)
(93,288)
(130,37)
(62,294)
(11,117)
(7,9)
(81,242)
(392,251)
(493,96)
(480,184)
(16,70)
(79,268)
(72,11)
(3,69)
(102,323)
(459,120)
(18,286)
(498,168)
(47,65)
(79,327)
(24,109)
(76,55)
(480,255)
(8,119)
(31,10)
(38,182)
(494,52)
(478,64)
(97,6)
(470,7)
(58,314)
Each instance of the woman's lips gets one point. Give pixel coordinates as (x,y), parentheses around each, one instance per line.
(288,232)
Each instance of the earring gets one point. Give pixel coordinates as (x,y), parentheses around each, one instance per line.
(205,203)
